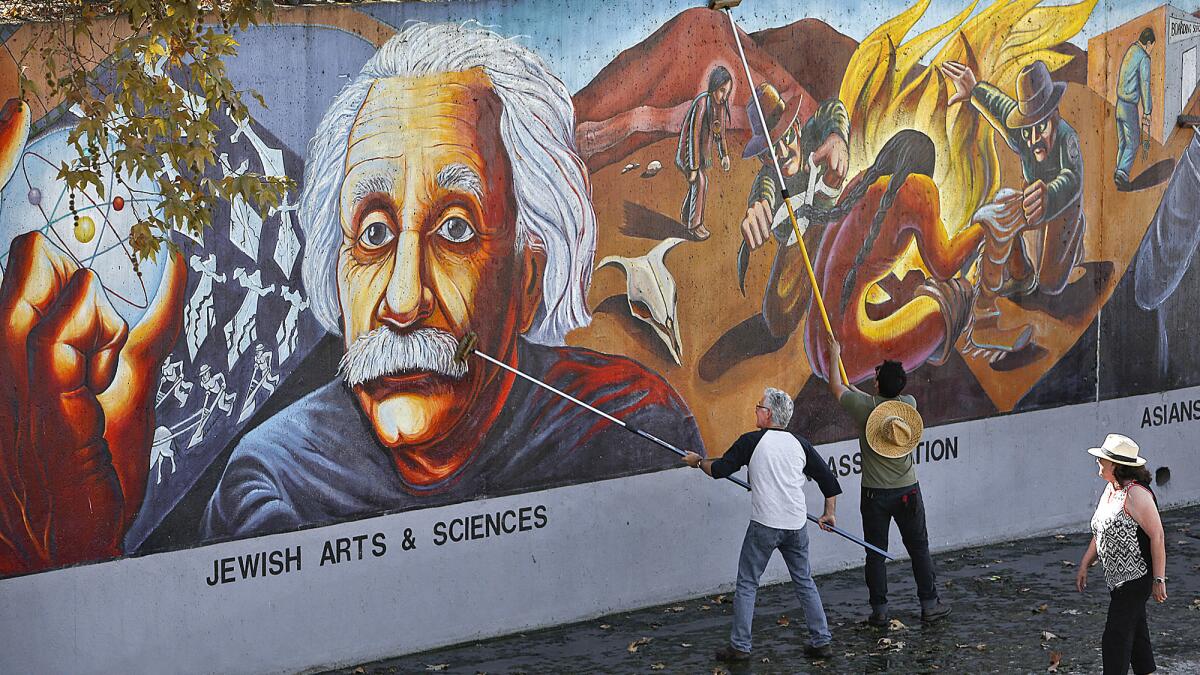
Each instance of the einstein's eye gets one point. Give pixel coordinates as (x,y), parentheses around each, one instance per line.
(375,234)
(456,230)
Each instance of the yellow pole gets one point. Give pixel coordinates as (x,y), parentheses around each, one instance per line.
(812,277)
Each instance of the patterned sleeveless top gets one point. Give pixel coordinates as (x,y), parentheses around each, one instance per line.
(1119,539)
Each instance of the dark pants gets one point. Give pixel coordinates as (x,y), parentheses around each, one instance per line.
(907,508)
(1126,636)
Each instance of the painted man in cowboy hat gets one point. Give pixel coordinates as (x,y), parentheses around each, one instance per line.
(1052,166)
(824,137)
(889,427)
(703,128)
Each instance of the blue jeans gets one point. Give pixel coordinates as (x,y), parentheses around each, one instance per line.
(760,542)
(1129,136)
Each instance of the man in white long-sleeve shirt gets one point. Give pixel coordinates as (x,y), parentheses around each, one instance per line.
(780,463)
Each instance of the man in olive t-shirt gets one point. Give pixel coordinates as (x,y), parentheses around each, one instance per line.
(890,491)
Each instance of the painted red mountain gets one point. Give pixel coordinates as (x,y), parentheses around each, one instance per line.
(644,94)
(814,52)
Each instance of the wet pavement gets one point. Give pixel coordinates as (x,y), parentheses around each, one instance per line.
(1016,610)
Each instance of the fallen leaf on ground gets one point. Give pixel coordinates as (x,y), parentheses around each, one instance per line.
(1055,659)
(889,643)
(685,645)
(705,608)
(994,578)
(720,671)
(676,609)
(656,625)
(720,599)
(1025,590)
(1060,536)
(982,646)
(766,659)
(359,670)
(783,621)
(633,646)
(961,646)
(1047,635)
(1041,609)
(437,666)
(895,624)
(1068,563)
(658,666)
(604,626)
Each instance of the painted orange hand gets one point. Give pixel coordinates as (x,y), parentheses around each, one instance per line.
(74,461)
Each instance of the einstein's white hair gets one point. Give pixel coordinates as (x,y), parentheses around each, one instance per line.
(537,129)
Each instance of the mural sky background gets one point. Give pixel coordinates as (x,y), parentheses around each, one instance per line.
(575,47)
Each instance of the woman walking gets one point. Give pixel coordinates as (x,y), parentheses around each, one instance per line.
(1127,535)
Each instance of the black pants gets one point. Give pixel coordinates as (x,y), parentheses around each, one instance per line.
(1126,636)
(907,508)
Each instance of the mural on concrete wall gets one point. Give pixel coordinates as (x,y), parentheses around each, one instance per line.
(295,367)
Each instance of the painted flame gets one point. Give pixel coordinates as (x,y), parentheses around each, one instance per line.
(886,88)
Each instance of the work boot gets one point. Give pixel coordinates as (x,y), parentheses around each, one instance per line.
(731,655)
(824,651)
(879,617)
(935,613)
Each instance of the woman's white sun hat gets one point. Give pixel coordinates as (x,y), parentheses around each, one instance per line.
(1119,449)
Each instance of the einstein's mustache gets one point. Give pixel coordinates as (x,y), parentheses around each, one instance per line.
(383,352)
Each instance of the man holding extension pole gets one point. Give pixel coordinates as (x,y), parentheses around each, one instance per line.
(779,462)
(889,427)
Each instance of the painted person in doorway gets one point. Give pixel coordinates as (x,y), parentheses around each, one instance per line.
(1133,91)
(780,463)
(890,490)
(1051,166)
(443,194)
(1127,537)
(703,128)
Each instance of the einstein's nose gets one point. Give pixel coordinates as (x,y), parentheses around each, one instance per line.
(407,299)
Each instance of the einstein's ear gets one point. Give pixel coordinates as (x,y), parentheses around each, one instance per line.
(533,267)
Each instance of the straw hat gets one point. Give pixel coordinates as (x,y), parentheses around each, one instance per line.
(894,429)
(1119,449)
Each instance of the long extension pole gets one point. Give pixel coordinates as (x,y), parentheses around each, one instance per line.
(466,347)
(812,277)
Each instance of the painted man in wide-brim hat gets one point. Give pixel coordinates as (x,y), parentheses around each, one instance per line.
(824,136)
(1052,166)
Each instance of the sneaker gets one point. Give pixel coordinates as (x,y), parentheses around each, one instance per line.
(699,233)
(935,613)
(824,651)
(879,617)
(731,655)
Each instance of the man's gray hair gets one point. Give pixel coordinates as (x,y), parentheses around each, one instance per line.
(780,405)
(537,129)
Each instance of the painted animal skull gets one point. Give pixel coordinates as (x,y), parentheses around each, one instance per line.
(650,290)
